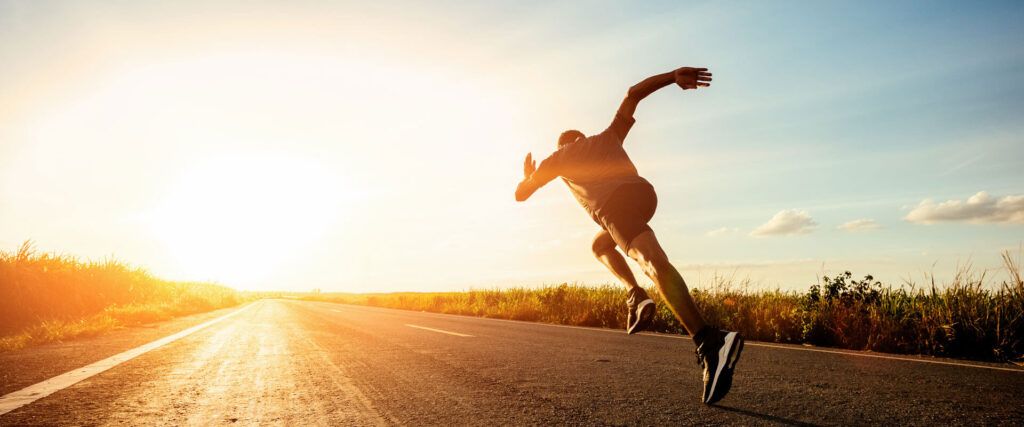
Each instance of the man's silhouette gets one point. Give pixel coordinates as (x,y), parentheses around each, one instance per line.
(604,180)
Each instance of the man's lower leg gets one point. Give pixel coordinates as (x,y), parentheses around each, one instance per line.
(617,264)
(640,309)
(677,296)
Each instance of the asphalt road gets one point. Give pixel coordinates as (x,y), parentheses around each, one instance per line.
(303,363)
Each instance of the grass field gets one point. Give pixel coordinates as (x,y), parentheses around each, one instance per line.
(969,317)
(49,297)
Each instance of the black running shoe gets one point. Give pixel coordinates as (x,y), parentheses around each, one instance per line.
(641,310)
(718,353)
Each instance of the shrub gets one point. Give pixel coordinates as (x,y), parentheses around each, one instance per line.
(966,318)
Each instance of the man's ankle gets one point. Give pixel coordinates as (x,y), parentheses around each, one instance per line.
(636,293)
(698,338)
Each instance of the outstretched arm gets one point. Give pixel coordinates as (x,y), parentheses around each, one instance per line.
(685,77)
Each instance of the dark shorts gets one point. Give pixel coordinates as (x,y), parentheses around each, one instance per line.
(627,212)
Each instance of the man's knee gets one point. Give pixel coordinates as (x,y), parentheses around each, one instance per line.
(602,243)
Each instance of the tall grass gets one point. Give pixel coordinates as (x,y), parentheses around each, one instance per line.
(968,317)
(46,297)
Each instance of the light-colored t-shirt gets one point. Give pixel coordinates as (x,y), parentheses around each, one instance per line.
(594,167)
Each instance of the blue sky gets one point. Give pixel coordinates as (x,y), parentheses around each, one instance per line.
(417,116)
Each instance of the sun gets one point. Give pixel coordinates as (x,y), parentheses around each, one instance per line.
(237,219)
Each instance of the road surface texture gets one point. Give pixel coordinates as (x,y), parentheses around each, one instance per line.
(283,362)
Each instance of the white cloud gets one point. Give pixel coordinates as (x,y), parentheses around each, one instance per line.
(724,231)
(979,208)
(789,221)
(860,225)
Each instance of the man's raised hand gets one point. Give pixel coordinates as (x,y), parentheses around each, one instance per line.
(692,78)
(529,166)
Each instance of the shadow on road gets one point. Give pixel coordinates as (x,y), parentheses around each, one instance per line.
(764,417)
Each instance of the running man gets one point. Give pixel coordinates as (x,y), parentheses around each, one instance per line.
(603,179)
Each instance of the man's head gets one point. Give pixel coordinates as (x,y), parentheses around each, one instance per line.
(568,137)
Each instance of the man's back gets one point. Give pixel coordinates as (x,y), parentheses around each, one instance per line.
(596,166)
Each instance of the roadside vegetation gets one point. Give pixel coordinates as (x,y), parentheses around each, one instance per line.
(969,317)
(50,297)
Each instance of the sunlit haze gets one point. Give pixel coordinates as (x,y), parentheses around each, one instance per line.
(368,147)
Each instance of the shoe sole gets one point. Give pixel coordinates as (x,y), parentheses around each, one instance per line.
(645,312)
(730,353)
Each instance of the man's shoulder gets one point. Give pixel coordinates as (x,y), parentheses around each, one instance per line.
(591,147)
(604,142)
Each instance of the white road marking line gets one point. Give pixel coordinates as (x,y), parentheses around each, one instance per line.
(32,393)
(853,353)
(438,330)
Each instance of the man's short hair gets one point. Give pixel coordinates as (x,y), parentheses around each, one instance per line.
(568,137)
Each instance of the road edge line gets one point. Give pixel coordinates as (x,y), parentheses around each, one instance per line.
(17,399)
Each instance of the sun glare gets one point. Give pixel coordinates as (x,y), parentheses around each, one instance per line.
(238,219)
(261,168)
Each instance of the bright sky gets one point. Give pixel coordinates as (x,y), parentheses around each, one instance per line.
(375,146)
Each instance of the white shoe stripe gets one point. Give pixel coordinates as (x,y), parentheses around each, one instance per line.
(723,358)
(640,307)
(639,310)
